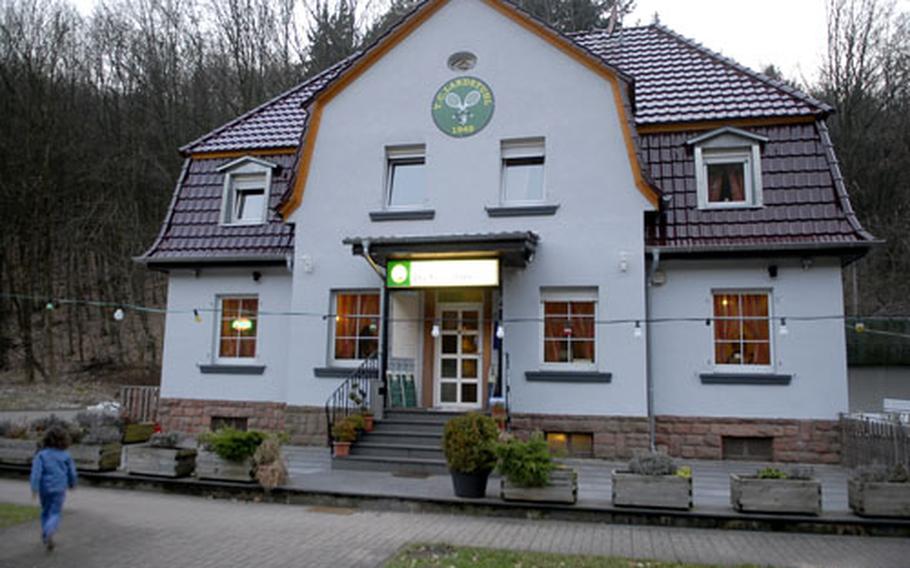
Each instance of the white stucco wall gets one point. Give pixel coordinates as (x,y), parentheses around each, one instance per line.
(813,352)
(187,343)
(539,91)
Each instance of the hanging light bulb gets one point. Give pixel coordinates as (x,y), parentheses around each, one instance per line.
(197,316)
(500,332)
(859,327)
(118,314)
(49,306)
(637,331)
(783,326)
(434,331)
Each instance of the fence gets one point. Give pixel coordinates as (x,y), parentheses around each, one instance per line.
(140,403)
(868,441)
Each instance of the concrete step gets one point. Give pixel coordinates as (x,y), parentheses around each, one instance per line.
(403,437)
(380,463)
(421,415)
(368,448)
(411,426)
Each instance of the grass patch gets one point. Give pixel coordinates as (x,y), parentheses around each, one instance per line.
(429,555)
(14,514)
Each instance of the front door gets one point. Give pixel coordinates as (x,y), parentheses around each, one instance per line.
(459,356)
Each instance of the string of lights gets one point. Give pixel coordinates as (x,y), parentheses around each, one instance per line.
(120,309)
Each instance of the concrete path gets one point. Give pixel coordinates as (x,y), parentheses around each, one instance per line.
(104,527)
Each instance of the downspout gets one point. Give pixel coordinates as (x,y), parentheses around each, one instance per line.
(649,380)
(378,393)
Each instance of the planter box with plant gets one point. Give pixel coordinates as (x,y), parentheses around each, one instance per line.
(162,456)
(227,454)
(771,490)
(344,432)
(653,480)
(16,446)
(469,444)
(98,448)
(138,432)
(879,491)
(530,474)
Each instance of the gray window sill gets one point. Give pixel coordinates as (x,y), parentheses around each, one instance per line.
(403,215)
(744,379)
(221,369)
(522,210)
(333,372)
(568,376)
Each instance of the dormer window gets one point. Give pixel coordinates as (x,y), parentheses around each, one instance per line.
(728,168)
(245,199)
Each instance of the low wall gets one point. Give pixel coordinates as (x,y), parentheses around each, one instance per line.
(306,425)
(193,416)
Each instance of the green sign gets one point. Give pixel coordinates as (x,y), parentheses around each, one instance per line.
(442,273)
(463,106)
(399,274)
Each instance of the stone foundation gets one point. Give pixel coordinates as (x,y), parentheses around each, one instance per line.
(804,441)
(620,437)
(305,425)
(192,416)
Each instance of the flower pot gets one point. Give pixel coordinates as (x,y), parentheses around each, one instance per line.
(15,451)
(342,449)
(879,498)
(137,433)
(96,457)
(210,465)
(368,422)
(653,491)
(562,488)
(470,485)
(164,462)
(755,495)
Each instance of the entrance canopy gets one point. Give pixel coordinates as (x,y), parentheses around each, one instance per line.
(513,249)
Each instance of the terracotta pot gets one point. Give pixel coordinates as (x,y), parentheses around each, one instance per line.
(368,422)
(342,449)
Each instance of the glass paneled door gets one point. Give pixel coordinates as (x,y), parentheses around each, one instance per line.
(459,357)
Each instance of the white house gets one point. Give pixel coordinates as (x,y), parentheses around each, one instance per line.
(627,237)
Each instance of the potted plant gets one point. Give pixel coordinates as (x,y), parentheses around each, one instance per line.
(772,490)
(17,446)
(163,456)
(469,445)
(344,432)
(227,454)
(359,397)
(653,480)
(530,474)
(96,441)
(136,432)
(880,491)
(498,413)
(270,469)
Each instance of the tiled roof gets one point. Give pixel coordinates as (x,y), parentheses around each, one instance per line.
(678,80)
(192,230)
(804,200)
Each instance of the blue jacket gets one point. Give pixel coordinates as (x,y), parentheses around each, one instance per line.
(53,471)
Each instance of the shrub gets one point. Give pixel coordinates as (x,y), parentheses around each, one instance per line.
(897,473)
(99,427)
(270,469)
(526,464)
(652,463)
(13,430)
(43,424)
(160,440)
(344,430)
(469,443)
(358,421)
(232,445)
(771,473)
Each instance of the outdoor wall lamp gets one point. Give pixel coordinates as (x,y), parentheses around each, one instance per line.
(434,331)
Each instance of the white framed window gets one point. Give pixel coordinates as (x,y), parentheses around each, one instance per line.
(246,191)
(522,171)
(238,329)
(728,169)
(355,327)
(406,178)
(569,328)
(742,330)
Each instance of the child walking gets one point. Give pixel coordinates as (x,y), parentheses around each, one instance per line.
(53,471)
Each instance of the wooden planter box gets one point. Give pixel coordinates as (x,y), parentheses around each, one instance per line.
(17,452)
(754,495)
(165,462)
(210,466)
(137,433)
(652,491)
(879,498)
(96,457)
(563,488)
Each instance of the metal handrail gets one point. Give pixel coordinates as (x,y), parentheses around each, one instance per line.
(353,395)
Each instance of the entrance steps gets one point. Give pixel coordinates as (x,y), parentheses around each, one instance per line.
(405,440)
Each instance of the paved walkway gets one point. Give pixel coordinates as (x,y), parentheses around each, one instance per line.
(105,527)
(310,469)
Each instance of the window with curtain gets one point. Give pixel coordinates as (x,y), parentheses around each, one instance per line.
(356,329)
(742,329)
(726,183)
(239,327)
(569,331)
(726,177)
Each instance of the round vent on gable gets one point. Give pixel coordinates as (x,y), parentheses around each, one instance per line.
(462,61)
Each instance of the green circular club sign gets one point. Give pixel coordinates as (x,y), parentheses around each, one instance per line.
(463,106)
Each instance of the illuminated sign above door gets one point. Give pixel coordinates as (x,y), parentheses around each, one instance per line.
(442,273)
